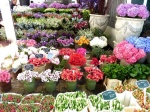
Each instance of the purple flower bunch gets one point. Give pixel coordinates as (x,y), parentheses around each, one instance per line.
(35,5)
(133,11)
(38,15)
(73,5)
(140,43)
(65,41)
(58,5)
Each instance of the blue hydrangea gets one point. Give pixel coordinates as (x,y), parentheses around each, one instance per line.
(132,39)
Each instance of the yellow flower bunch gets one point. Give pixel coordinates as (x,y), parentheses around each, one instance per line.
(82,40)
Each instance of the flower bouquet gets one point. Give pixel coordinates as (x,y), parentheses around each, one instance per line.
(77,59)
(65,41)
(82,41)
(93,62)
(50,78)
(32,98)
(47,103)
(28,78)
(11,97)
(66,51)
(8,107)
(5,80)
(81,51)
(127,52)
(71,76)
(35,107)
(39,64)
(93,75)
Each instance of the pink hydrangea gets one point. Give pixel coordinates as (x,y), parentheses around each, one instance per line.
(5,76)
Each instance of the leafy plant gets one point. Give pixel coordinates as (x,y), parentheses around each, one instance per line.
(115,71)
(97,32)
(97,51)
(38,10)
(86,32)
(69,11)
(50,10)
(85,14)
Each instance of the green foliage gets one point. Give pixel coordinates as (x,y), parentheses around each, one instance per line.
(85,14)
(86,32)
(97,51)
(115,71)
(69,11)
(97,32)
(38,10)
(50,10)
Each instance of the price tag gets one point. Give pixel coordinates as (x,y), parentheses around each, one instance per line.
(44,39)
(46,50)
(109,95)
(39,55)
(29,67)
(50,55)
(142,84)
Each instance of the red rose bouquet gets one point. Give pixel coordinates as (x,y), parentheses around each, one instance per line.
(94,73)
(66,51)
(107,59)
(71,75)
(77,59)
(38,61)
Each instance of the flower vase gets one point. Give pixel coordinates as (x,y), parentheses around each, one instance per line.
(123,62)
(71,86)
(148,58)
(39,69)
(5,87)
(98,21)
(90,84)
(29,86)
(50,86)
(128,27)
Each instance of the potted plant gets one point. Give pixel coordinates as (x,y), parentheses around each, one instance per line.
(50,78)
(93,75)
(93,63)
(28,78)
(130,17)
(47,103)
(98,16)
(12,97)
(82,41)
(115,74)
(5,81)
(97,51)
(127,53)
(71,76)
(76,60)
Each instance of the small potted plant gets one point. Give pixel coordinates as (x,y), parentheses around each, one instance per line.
(71,76)
(28,78)
(50,78)
(76,60)
(47,103)
(93,75)
(5,81)
(82,41)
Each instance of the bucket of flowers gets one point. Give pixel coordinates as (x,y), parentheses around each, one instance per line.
(28,78)
(71,76)
(11,97)
(47,103)
(93,75)
(5,81)
(50,78)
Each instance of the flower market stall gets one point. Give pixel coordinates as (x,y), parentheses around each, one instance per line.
(62,61)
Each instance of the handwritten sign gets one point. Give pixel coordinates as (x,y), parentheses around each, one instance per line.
(142,84)
(39,55)
(29,67)
(109,95)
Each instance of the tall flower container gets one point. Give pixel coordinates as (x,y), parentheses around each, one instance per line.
(94,75)
(71,76)
(130,20)
(50,78)
(28,79)
(5,81)
(98,21)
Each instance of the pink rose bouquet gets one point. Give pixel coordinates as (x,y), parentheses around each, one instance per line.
(128,52)
(5,76)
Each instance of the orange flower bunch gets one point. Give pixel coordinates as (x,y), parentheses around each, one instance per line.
(82,40)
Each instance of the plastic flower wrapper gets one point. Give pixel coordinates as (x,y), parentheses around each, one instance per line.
(99,41)
(27,76)
(54,51)
(48,75)
(55,60)
(81,51)
(5,76)
(7,63)
(17,63)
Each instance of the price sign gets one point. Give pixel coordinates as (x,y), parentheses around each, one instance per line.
(29,67)
(46,50)
(142,84)
(50,55)
(109,95)
(39,55)
(44,39)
